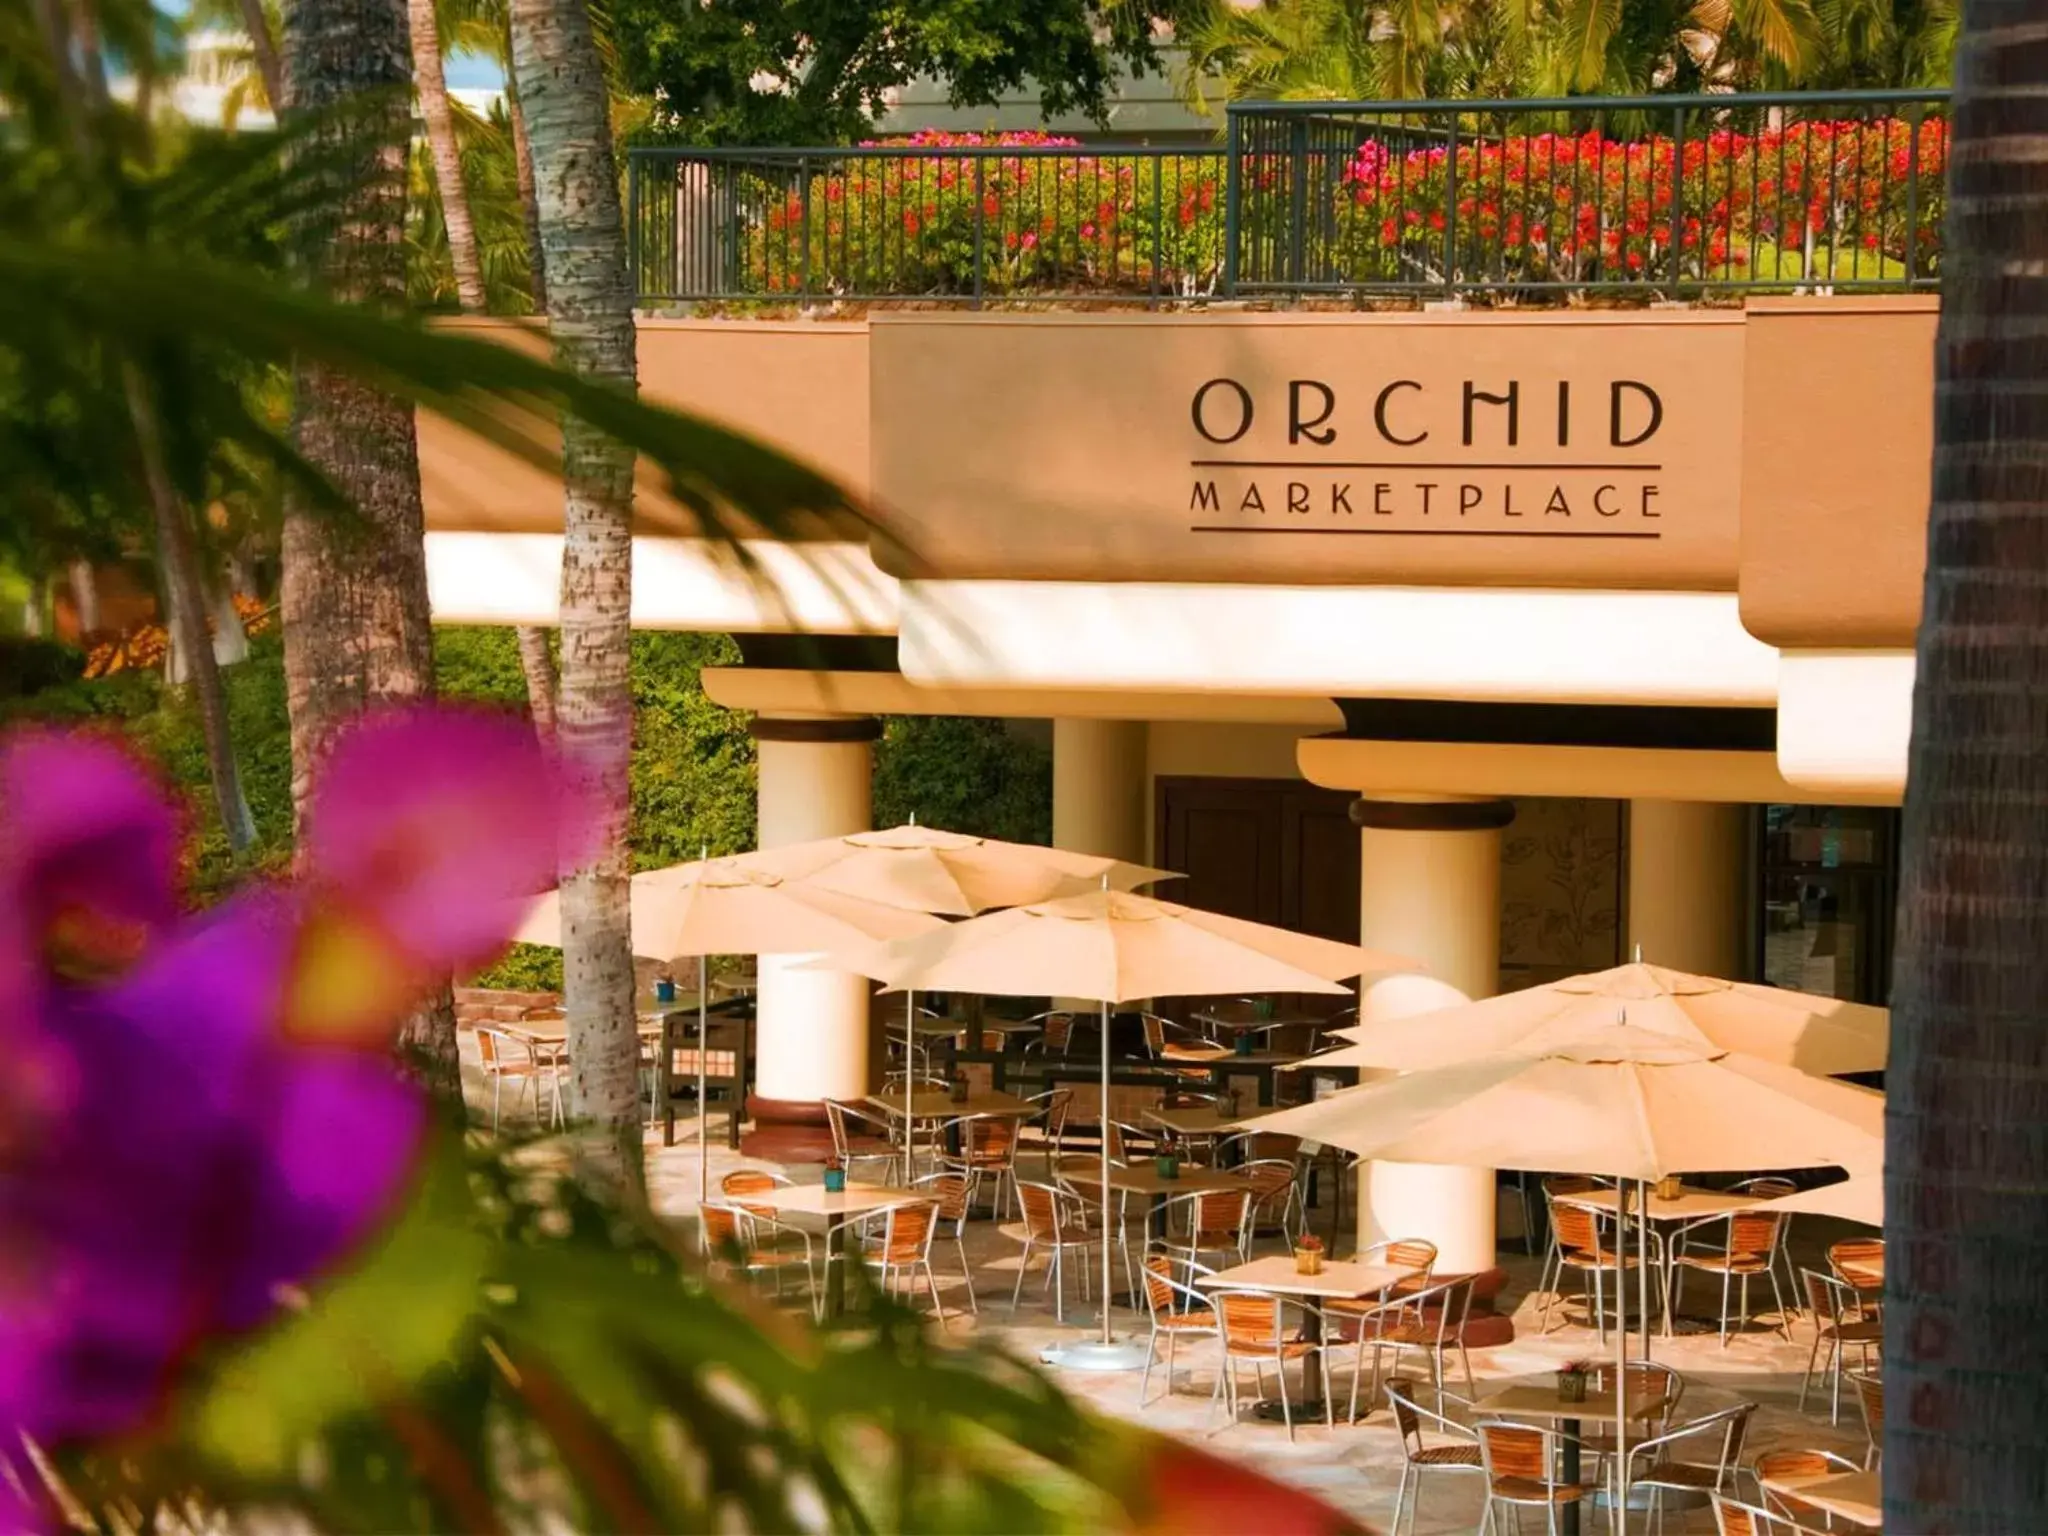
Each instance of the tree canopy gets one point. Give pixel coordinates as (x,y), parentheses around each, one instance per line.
(814,71)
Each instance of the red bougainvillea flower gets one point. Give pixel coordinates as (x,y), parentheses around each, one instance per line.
(185,1155)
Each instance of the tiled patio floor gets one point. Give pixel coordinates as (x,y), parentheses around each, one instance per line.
(1355,1467)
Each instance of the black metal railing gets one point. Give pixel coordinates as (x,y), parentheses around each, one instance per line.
(1672,196)
(957,223)
(1681,194)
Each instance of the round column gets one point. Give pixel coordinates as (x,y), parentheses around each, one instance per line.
(811,1030)
(1098,787)
(1688,865)
(1429,886)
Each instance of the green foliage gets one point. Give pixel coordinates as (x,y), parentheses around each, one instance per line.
(490,175)
(968,775)
(515,1354)
(693,762)
(810,71)
(1335,50)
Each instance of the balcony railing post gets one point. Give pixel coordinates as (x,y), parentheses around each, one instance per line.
(803,226)
(1677,195)
(1233,196)
(1297,200)
(1158,223)
(636,164)
(1912,199)
(1451,214)
(980,220)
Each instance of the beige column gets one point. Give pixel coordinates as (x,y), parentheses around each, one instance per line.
(1098,787)
(1429,886)
(811,1031)
(1688,861)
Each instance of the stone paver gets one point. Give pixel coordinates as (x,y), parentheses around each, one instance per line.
(1355,1467)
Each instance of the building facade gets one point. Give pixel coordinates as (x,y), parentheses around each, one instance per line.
(1519,639)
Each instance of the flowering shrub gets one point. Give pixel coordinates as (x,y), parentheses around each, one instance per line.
(908,224)
(1828,201)
(1844,201)
(147,645)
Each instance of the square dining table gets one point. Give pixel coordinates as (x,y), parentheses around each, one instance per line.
(1543,1400)
(1857,1497)
(1337,1280)
(839,1208)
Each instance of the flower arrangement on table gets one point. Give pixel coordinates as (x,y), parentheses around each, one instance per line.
(1308,1254)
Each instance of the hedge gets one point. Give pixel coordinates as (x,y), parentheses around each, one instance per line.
(693,761)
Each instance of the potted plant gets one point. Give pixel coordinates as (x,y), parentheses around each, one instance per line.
(1667,1187)
(1571,1381)
(664,989)
(835,1177)
(959,1089)
(1168,1164)
(1308,1255)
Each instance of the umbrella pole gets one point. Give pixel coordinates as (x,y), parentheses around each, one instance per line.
(1107,1337)
(1620,1493)
(909,1082)
(1643,1261)
(703,1087)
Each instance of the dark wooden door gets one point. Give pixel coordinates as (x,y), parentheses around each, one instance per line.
(1270,850)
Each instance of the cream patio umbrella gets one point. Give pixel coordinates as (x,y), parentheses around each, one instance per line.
(1115,947)
(1858,1198)
(1622,1102)
(724,907)
(955,874)
(1815,1034)
(928,869)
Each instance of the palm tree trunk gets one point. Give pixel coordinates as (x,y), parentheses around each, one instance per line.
(431,81)
(354,592)
(187,618)
(529,201)
(1966,1197)
(590,317)
(268,67)
(538,663)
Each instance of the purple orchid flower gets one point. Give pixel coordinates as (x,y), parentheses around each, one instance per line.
(201,1110)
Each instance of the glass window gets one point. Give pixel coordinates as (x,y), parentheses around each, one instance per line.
(1829,891)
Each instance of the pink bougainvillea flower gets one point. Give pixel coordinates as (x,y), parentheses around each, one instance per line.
(188,1155)
(1187,1489)
(429,834)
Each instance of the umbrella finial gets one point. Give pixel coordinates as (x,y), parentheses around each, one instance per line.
(913,818)
(1637,956)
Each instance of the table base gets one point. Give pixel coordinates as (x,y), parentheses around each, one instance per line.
(1267,1410)
(1094,1355)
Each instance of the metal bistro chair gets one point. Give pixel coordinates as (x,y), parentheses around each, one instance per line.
(1851,1259)
(1646,1379)
(505,1057)
(1432,1324)
(1054,1222)
(1051,1119)
(1772,1187)
(1518,1459)
(1841,1323)
(1789,1464)
(1581,1247)
(1456,1451)
(732,1238)
(1254,1330)
(1734,1518)
(1870,1393)
(837,1116)
(1160,1032)
(988,1149)
(1177,1311)
(953,1193)
(1276,1197)
(1415,1255)
(1218,1222)
(904,1247)
(1652,1465)
(1055,1035)
(1751,1249)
